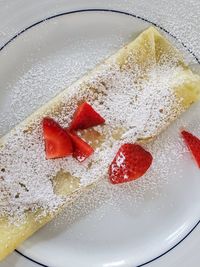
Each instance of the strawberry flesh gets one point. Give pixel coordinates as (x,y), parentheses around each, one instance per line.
(85,117)
(131,162)
(57,141)
(193,143)
(82,150)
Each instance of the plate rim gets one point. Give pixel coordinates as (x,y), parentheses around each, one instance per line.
(123,13)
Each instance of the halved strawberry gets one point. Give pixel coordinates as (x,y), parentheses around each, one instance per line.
(193,143)
(130,163)
(81,149)
(85,117)
(57,141)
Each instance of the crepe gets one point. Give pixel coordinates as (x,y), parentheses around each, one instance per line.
(147,80)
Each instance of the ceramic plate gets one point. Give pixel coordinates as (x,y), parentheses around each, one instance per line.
(129,225)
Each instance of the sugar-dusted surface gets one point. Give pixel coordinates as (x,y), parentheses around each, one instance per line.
(141,109)
(186,27)
(135,96)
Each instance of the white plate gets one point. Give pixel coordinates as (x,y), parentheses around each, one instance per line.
(139,222)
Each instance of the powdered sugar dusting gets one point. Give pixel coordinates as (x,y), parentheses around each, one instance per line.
(121,102)
(136,110)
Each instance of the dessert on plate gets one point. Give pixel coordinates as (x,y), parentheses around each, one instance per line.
(85,133)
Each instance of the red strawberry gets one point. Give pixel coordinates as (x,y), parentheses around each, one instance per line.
(85,117)
(81,149)
(57,141)
(130,163)
(193,143)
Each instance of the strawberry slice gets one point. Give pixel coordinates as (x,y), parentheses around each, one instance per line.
(193,143)
(81,149)
(130,163)
(57,141)
(85,117)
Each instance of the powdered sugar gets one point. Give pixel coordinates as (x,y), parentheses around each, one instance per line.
(145,106)
(27,174)
(136,110)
